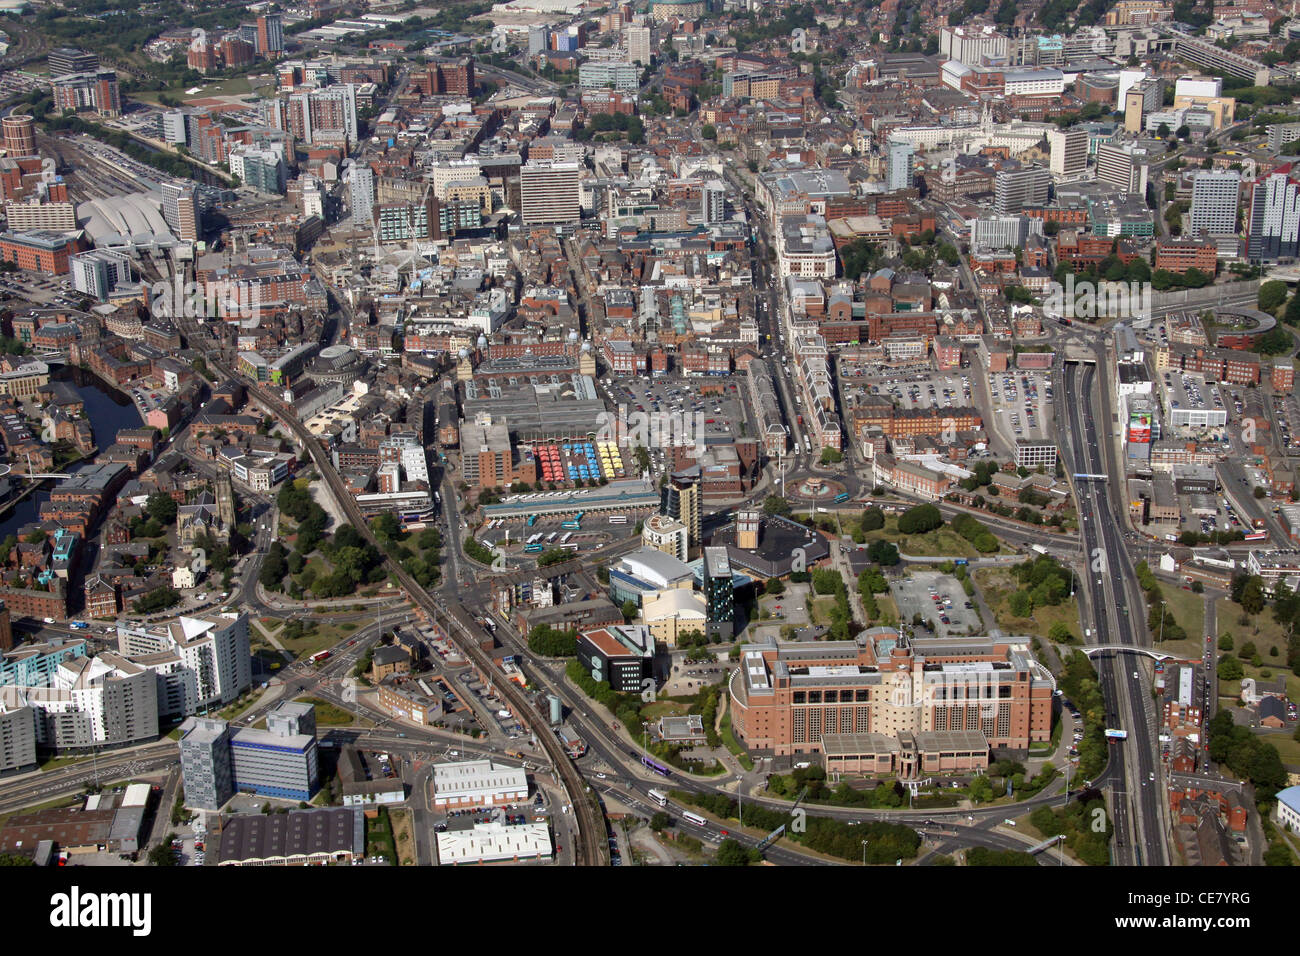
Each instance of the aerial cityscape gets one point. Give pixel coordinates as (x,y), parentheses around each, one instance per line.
(673,433)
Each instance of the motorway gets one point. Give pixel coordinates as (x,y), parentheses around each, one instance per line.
(1132,775)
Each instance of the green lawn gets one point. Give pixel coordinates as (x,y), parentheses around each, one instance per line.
(820,610)
(1261,629)
(1288,748)
(997,586)
(236,86)
(54,763)
(664,708)
(327,714)
(317,637)
(734,745)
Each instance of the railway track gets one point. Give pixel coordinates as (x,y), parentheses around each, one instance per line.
(592,846)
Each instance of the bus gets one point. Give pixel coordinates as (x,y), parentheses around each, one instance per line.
(617,519)
(534,548)
(567,536)
(318,657)
(695,818)
(656,766)
(1256,536)
(659,798)
(1112,734)
(807,445)
(550,538)
(532,520)
(571,546)
(842,496)
(571,525)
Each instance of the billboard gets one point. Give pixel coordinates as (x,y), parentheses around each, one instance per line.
(1139,428)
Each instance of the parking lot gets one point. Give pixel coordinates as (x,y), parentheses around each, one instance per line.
(936,596)
(713,401)
(930,390)
(1022,403)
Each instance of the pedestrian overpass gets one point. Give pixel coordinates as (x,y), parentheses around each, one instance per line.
(1127,648)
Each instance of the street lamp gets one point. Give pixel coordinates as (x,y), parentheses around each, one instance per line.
(864,852)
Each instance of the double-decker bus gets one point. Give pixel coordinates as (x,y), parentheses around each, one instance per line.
(534,548)
(659,797)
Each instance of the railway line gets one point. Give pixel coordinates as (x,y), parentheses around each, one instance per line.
(592,849)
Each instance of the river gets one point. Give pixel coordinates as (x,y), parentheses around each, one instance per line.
(108,410)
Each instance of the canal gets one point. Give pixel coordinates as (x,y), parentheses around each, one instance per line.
(108,411)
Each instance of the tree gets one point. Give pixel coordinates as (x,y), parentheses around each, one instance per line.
(1021,604)
(1230,669)
(1252,598)
(873,519)
(660,821)
(629,609)
(774,586)
(731,853)
(1060,633)
(776,505)
(981,790)
(162,854)
(920,520)
(1271,295)
(1226,641)
(709,131)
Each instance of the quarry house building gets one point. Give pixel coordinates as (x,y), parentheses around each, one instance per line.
(886,704)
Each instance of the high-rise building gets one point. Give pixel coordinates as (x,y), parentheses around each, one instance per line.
(202,55)
(292,717)
(259,167)
(206,771)
(1215,194)
(326,115)
(270,35)
(180,210)
(274,762)
(17,734)
(665,534)
(719,593)
(1280,134)
(236,51)
(96,91)
(20,135)
(67,60)
(636,40)
(361,192)
(597,75)
(713,202)
(680,498)
(6,629)
(173,127)
(199,662)
(549,193)
(1069,150)
(1017,186)
(539,40)
(1275,216)
(1142,98)
(1123,166)
(100,271)
(902,166)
